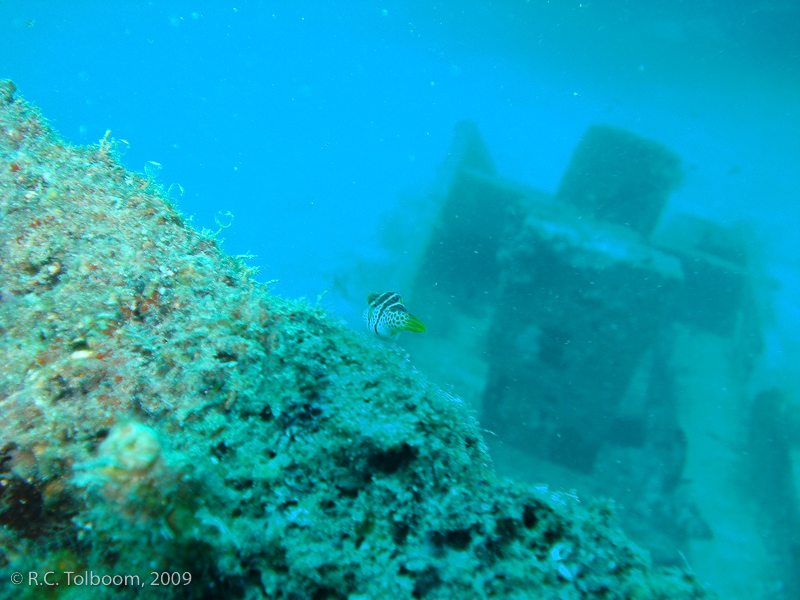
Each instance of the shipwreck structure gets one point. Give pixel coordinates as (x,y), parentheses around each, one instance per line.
(580,314)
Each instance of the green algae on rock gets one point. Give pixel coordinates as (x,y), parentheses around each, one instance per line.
(162,413)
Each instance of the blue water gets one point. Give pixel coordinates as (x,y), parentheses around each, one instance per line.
(320,124)
(307,120)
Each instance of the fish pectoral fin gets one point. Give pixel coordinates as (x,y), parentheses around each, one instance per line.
(414,324)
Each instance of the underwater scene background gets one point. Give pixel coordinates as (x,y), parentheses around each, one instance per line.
(592,206)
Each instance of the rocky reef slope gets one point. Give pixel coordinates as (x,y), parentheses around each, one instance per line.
(163,416)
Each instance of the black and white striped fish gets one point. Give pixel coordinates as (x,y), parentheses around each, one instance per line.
(386,317)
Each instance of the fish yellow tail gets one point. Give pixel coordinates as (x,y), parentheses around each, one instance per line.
(414,324)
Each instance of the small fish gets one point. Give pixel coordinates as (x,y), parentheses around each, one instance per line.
(386,316)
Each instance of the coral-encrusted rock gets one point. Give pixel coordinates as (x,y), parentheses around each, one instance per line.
(161,412)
